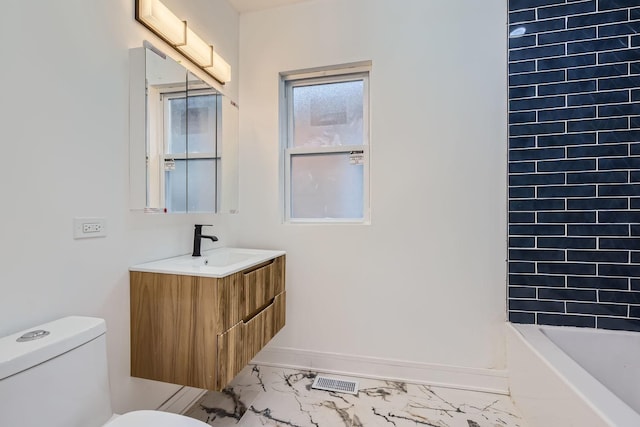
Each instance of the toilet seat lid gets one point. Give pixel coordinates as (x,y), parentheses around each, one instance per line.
(155,419)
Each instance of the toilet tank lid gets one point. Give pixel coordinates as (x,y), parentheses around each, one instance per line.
(64,334)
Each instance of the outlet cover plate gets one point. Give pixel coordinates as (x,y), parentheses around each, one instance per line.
(87,228)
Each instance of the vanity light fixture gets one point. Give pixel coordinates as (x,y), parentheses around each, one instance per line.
(162,22)
(197,49)
(219,67)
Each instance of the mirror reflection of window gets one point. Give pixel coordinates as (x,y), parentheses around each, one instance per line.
(190,143)
(180,124)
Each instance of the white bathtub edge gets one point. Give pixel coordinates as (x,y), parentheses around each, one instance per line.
(574,387)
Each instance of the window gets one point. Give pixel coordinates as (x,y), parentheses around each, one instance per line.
(326,146)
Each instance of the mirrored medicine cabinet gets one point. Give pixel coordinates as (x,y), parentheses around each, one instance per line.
(183,139)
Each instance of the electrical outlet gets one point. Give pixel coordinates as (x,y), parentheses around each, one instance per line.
(86,228)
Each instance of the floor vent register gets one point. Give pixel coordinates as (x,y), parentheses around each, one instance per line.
(335,384)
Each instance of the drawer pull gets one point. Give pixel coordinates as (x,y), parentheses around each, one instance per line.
(258,267)
(258,310)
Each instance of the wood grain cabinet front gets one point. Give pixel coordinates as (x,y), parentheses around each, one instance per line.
(261,285)
(201,331)
(238,345)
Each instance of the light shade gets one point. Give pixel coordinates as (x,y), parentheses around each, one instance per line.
(161,20)
(197,49)
(220,69)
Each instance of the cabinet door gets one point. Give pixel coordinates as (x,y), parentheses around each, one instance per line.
(172,338)
(262,285)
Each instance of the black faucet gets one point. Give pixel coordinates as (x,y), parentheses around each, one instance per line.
(198,236)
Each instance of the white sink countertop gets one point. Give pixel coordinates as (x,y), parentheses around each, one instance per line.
(213,263)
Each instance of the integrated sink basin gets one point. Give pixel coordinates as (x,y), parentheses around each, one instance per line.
(224,258)
(213,263)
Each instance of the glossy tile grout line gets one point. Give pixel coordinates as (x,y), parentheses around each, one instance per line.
(269,396)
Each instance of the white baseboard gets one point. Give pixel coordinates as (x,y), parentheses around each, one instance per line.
(182,400)
(477,379)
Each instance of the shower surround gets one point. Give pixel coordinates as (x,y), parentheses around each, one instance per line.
(574,163)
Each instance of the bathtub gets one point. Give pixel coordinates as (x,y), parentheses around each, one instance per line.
(565,376)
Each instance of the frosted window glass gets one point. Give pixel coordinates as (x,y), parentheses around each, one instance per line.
(326,186)
(202,123)
(326,115)
(175,187)
(177,126)
(191,187)
(202,185)
(194,127)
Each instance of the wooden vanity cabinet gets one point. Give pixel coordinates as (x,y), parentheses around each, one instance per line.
(201,331)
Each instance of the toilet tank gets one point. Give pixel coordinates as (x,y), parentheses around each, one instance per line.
(57,380)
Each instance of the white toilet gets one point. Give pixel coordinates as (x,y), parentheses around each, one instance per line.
(56,376)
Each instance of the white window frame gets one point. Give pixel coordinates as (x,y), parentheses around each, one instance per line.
(345,73)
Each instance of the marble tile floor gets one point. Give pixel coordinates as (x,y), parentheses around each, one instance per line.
(268,396)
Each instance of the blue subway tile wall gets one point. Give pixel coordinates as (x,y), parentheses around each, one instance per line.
(574,163)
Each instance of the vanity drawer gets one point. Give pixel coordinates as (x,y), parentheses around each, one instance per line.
(262,284)
(263,326)
(240,344)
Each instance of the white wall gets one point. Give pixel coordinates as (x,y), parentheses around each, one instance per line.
(425,282)
(64,123)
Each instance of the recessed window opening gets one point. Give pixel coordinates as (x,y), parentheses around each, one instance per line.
(325,147)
